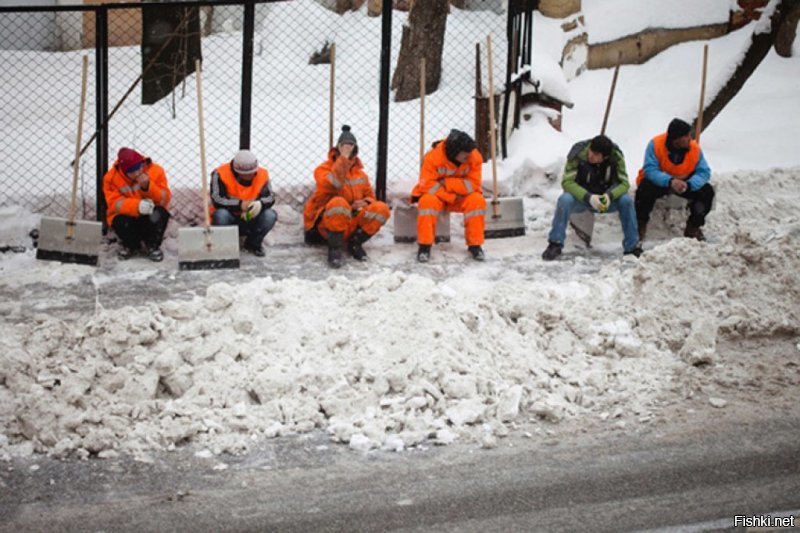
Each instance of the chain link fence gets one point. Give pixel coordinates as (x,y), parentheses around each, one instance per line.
(289,126)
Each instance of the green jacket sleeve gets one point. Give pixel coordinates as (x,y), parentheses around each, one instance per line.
(568,183)
(622,187)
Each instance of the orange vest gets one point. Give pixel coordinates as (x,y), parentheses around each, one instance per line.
(686,167)
(122,196)
(237,190)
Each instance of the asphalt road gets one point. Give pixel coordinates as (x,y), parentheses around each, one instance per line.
(687,477)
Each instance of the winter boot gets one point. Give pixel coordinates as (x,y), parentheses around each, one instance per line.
(424,253)
(124,253)
(358,238)
(642,231)
(693,232)
(477,253)
(335,242)
(257,250)
(155,255)
(636,251)
(553,250)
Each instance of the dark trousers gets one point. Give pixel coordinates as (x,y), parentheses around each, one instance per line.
(147,229)
(255,230)
(700,201)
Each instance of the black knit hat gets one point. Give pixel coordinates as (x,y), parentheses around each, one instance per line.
(457,142)
(677,128)
(346,137)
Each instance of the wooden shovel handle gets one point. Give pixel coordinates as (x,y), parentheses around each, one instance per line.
(73,204)
(610,98)
(332,94)
(492,133)
(422,83)
(699,126)
(206,211)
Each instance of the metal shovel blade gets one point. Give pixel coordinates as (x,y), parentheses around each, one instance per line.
(510,219)
(83,247)
(201,250)
(583,224)
(405,224)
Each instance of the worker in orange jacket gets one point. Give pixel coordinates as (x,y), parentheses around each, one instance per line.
(450,179)
(137,198)
(343,208)
(241,195)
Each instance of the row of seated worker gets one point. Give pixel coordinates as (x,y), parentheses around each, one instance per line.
(344,213)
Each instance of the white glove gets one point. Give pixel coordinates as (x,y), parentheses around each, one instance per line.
(600,202)
(146,206)
(252,210)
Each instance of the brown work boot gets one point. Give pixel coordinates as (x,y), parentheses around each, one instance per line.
(693,232)
(642,231)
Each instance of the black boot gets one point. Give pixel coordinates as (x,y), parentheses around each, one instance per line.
(358,238)
(424,253)
(335,242)
(553,250)
(693,232)
(477,253)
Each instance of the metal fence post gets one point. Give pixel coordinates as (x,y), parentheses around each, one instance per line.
(383,119)
(101,103)
(247,75)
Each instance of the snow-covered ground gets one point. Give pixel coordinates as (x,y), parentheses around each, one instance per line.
(133,356)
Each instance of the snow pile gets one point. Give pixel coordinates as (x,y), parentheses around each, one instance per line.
(391,360)
(605,23)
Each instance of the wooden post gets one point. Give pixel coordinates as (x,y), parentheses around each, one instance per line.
(699,126)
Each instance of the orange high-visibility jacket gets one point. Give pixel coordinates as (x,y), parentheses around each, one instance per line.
(331,182)
(446,179)
(687,166)
(122,196)
(228,192)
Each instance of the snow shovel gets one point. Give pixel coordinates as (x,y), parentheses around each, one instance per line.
(68,240)
(207,247)
(405,215)
(504,216)
(583,223)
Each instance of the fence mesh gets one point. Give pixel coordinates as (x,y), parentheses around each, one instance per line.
(40,58)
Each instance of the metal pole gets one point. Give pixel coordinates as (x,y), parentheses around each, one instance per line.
(247,75)
(383,119)
(101,108)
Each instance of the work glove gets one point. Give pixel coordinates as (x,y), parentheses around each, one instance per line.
(146,206)
(252,211)
(600,202)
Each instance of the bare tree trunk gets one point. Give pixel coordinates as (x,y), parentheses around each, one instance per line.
(788,32)
(423,36)
(760,43)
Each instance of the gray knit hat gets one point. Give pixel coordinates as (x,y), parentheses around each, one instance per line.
(245,162)
(346,137)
